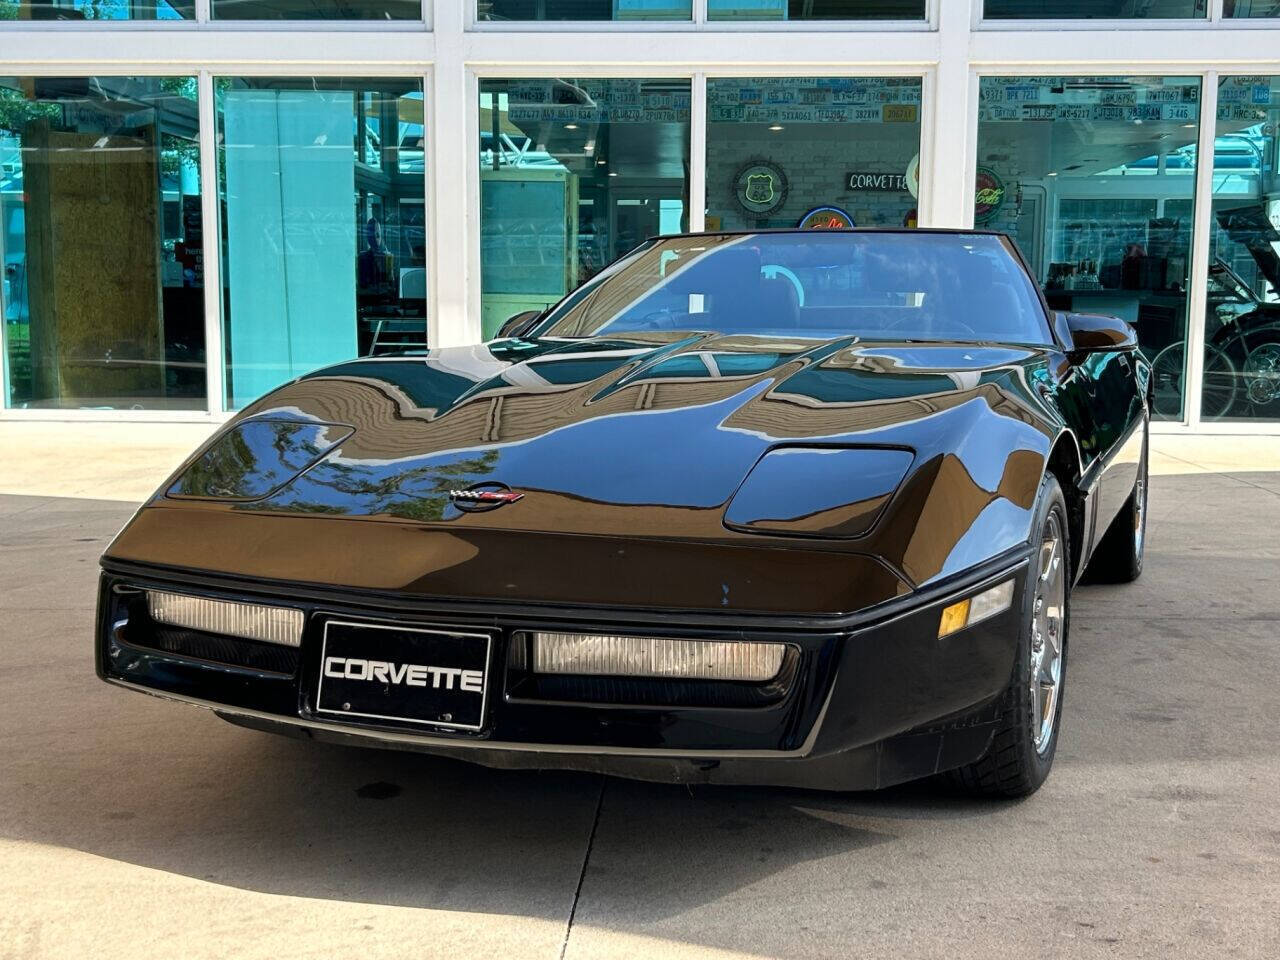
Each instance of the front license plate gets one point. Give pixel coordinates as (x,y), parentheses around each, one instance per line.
(404,674)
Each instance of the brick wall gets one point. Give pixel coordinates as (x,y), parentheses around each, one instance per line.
(816,159)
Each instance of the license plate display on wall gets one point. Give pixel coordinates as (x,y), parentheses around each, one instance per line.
(435,677)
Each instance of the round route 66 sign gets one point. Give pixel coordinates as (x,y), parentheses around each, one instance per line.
(760,187)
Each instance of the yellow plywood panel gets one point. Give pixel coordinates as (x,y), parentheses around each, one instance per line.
(93,234)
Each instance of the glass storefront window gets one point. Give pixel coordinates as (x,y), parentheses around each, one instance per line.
(812,151)
(815,9)
(323,224)
(1250,8)
(101,241)
(43,10)
(622,10)
(1095,177)
(1094,9)
(1242,312)
(573,174)
(315,9)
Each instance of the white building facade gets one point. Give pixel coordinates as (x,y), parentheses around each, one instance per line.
(200,199)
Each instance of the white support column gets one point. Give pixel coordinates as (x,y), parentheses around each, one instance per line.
(947,161)
(212,245)
(698,154)
(1202,227)
(5,396)
(203,10)
(453,305)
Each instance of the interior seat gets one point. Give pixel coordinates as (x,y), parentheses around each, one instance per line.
(777,306)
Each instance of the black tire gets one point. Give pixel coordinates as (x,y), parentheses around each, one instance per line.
(1119,554)
(1014,766)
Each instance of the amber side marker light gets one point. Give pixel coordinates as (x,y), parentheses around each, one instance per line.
(975,609)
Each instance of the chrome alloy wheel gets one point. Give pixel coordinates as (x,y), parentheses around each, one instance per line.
(1046,635)
(1262,373)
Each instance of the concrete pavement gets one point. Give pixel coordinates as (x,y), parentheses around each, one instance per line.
(135,827)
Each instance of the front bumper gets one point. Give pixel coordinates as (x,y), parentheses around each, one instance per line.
(872,699)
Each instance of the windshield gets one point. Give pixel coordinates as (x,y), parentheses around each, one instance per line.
(899,286)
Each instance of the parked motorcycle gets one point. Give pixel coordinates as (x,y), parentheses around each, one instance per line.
(1242,355)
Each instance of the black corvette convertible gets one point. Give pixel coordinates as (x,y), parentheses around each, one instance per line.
(792,508)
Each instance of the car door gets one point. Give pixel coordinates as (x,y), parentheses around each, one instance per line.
(1098,398)
(1109,380)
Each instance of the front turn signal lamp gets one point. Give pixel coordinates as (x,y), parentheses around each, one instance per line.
(250,621)
(602,655)
(975,609)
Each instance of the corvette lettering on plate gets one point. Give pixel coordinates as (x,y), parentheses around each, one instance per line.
(413,674)
(377,672)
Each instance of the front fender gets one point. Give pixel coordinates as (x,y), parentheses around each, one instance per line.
(971,493)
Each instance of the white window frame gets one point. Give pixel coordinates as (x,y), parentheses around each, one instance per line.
(923,72)
(1191,421)
(470,331)
(216,408)
(699,19)
(216,371)
(203,20)
(1213,18)
(1198,267)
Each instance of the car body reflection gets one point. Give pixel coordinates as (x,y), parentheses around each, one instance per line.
(675,423)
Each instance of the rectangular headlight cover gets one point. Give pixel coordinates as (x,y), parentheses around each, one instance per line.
(251,621)
(603,655)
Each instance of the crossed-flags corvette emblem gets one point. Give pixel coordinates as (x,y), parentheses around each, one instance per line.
(483,496)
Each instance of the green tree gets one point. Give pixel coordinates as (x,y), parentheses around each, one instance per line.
(16,111)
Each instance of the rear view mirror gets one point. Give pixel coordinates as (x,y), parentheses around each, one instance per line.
(1098,333)
(519,323)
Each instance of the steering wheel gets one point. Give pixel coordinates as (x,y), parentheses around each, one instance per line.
(658,320)
(972,334)
(771,271)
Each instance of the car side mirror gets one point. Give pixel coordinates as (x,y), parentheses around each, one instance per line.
(519,323)
(1098,333)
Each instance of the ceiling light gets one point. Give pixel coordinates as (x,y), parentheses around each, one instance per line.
(775,127)
(571,126)
(612,173)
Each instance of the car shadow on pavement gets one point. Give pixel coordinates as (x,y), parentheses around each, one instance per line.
(180,791)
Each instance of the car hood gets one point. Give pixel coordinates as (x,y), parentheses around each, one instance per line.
(644,438)
(1251,227)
